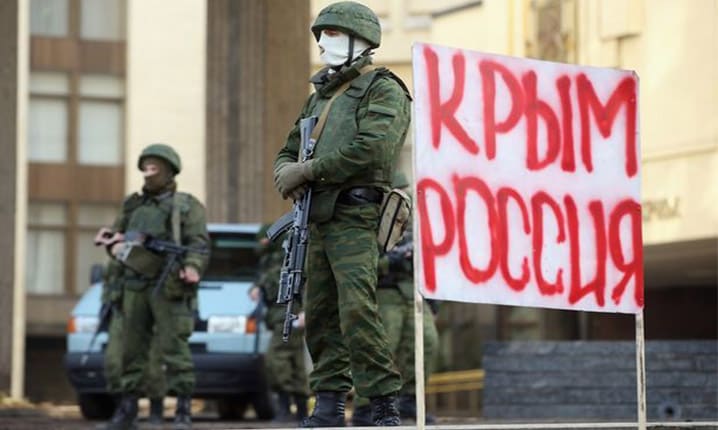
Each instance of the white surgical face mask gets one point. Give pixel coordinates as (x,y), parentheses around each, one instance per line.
(335,48)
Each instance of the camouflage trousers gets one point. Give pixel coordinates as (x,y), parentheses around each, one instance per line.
(154,375)
(344,333)
(173,321)
(397,314)
(286,367)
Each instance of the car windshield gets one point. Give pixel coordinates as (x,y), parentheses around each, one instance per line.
(233,257)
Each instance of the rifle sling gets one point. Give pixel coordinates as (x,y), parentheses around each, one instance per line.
(176,218)
(321,121)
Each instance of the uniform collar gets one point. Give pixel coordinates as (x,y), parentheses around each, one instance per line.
(326,80)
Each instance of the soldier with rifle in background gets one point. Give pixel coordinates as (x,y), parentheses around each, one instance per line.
(286,367)
(363,117)
(161,239)
(395,295)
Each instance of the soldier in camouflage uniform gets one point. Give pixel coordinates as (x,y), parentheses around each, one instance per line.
(395,294)
(165,214)
(351,170)
(286,368)
(154,379)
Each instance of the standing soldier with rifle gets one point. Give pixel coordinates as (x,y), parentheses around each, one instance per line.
(154,379)
(159,293)
(348,175)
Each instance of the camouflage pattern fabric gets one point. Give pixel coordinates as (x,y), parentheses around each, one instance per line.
(359,145)
(286,366)
(154,375)
(171,313)
(396,307)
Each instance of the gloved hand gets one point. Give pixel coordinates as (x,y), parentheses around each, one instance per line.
(297,193)
(289,176)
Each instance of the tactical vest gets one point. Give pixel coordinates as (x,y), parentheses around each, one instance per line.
(341,129)
(157,216)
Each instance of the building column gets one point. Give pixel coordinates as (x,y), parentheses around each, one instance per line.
(257,79)
(13,93)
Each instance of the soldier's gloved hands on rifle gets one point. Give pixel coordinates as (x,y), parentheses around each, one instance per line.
(289,176)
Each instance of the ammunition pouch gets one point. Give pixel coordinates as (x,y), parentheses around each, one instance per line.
(136,257)
(393,219)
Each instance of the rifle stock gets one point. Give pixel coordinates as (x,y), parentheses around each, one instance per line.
(102,325)
(292,276)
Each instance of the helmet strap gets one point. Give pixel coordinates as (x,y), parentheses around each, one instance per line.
(350,52)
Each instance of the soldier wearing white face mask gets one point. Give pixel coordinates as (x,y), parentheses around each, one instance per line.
(351,170)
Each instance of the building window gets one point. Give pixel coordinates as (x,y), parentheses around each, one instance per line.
(49,18)
(48,117)
(101,120)
(102,19)
(46,234)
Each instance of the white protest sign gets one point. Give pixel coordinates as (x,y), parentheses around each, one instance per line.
(527,182)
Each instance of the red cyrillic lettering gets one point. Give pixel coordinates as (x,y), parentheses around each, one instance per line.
(503,195)
(625,93)
(487,69)
(537,201)
(429,249)
(444,113)
(598,284)
(634,267)
(462,187)
(533,109)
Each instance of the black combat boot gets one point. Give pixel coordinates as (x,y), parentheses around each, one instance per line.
(328,410)
(300,401)
(157,409)
(407,409)
(125,416)
(183,413)
(361,417)
(384,411)
(284,413)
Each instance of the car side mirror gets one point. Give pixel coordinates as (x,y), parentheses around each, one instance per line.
(96,272)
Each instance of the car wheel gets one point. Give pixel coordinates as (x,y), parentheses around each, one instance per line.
(232,408)
(262,404)
(96,406)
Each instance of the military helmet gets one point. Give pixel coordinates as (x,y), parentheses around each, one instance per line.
(165,152)
(400,180)
(351,17)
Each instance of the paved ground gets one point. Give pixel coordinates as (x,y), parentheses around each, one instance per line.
(32,417)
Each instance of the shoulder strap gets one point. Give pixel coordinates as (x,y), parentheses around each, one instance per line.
(176,203)
(325,112)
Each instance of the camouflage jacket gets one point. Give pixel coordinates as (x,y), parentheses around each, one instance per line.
(153,215)
(365,129)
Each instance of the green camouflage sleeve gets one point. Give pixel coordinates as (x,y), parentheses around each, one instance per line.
(290,151)
(381,119)
(194,234)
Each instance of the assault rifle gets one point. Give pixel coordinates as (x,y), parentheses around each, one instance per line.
(292,277)
(171,251)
